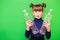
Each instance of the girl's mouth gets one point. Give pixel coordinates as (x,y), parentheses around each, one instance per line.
(37,16)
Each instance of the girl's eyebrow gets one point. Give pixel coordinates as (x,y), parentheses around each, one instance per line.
(38,9)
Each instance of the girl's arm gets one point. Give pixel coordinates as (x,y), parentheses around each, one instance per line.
(27,33)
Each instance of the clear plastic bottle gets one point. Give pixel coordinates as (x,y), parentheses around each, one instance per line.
(46,19)
(26,15)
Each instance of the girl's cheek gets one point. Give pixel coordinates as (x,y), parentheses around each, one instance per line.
(34,13)
(40,13)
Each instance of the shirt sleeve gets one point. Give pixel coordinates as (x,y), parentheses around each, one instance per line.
(48,35)
(27,33)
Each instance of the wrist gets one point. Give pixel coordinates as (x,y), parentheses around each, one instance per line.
(48,30)
(27,28)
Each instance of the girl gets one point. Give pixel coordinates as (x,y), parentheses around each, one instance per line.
(37,11)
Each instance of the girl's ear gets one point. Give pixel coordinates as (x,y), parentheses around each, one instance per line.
(44,5)
(31,5)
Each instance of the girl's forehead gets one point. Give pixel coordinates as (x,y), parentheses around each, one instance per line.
(37,8)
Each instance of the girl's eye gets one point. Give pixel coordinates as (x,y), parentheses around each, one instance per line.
(35,11)
(39,11)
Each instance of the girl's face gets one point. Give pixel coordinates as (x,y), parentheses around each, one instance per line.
(37,12)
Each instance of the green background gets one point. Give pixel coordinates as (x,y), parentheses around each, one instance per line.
(12,23)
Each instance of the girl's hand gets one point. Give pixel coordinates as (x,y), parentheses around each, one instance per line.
(28,24)
(47,25)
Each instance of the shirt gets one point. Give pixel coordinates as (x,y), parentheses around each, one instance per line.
(38,23)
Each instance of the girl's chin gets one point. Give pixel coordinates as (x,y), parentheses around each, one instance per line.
(38,17)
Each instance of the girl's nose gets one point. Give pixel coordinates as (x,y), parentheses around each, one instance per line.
(37,11)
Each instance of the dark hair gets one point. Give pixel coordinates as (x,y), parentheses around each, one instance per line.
(37,5)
